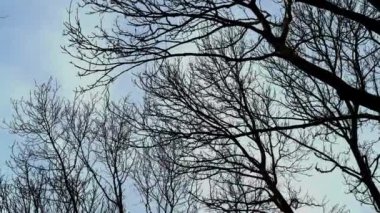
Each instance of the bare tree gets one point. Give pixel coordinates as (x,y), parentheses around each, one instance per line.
(221,111)
(320,58)
(25,192)
(72,157)
(109,156)
(162,184)
(155,30)
(38,119)
(350,52)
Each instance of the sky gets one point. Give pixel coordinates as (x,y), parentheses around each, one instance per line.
(31,39)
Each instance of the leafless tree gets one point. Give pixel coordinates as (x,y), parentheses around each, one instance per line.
(155,30)
(303,72)
(25,192)
(72,157)
(221,111)
(161,183)
(39,120)
(350,52)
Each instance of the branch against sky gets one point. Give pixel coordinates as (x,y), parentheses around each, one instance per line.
(226,73)
(155,30)
(276,84)
(76,154)
(210,111)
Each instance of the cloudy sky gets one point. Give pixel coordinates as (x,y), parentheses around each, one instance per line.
(30,51)
(30,39)
(31,36)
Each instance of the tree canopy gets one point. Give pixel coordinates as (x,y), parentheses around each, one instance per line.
(242,98)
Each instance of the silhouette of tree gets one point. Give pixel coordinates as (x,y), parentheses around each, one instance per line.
(72,157)
(235,80)
(81,156)
(156,30)
(221,112)
(163,186)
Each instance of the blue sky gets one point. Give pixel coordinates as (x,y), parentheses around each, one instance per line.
(31,37)
(30,41)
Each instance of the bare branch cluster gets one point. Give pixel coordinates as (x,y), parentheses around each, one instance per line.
(77,156)
(251,87)
(242,99)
